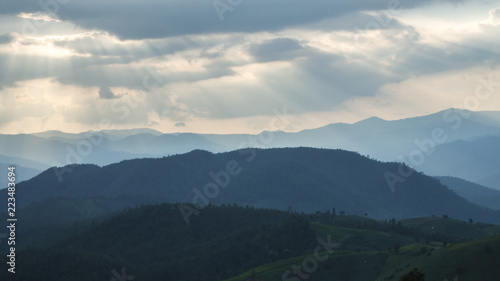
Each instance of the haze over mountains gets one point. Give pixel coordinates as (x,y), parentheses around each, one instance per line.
(454,142)
(473,192)
(318,176)
(99,218)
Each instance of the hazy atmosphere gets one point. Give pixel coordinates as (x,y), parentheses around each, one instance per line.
(217,67)
(249,140)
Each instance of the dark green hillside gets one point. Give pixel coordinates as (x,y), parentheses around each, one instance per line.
(475,260)
(304,179)
(351,266)
(153,242)
(41,221)
(472,261)
(460,230)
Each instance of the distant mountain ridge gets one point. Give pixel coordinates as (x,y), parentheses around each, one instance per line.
(110,134)
(473,192)
(492,180)
(475,160)
(469,137)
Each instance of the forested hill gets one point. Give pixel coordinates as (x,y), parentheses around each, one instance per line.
(153,243)
(303,179)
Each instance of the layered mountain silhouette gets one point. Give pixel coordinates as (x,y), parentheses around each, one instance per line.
(476,160)
(303,179)
(91,208)
(473,192)
(453,142)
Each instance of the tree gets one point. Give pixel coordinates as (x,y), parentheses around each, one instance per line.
(414,275)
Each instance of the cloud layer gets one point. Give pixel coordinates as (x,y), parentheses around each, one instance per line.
(203,65)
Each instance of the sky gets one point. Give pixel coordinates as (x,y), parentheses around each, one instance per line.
(232,66)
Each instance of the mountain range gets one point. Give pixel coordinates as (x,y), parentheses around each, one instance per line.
(473,192)
(302,179)
(253,207)
(453,142)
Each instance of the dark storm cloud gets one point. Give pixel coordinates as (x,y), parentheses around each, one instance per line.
(98,44)
(425,59)
(76,70)
(28,67)
(276,49)
(130,19)
(131,77)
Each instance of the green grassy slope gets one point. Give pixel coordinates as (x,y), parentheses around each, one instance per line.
(453,227)
(472,260)
(358,255)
